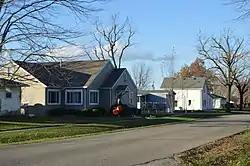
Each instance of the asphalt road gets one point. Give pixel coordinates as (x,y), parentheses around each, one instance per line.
(149,146)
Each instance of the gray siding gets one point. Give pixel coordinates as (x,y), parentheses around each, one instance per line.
(105,98)
(131,86)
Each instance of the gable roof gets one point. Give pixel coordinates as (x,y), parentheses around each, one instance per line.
(10,83)
(217,96)
(67,73)
(147,92)
(112,78)
(184,83)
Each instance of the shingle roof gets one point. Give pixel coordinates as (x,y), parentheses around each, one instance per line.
(184,83)
(217,96)
(10,83)
(146,92)
(67,73)
(112,78)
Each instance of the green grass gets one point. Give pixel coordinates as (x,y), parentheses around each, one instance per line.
(230,151)
(7,126)
(74,130)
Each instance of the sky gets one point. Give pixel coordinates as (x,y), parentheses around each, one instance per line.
(163,24)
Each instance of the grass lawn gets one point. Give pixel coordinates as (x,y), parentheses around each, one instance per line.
(229,151)
(73,130)
(9,126)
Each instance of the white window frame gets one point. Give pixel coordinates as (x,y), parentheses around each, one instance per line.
(74,90)
(54,90)
(94,91)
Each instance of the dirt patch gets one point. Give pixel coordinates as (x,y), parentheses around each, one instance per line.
(228,151)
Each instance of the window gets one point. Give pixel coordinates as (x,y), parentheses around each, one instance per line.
(8,95)
(94,97)
(175,103)
(131,94)
(54,97)
(189,102)
(73,97)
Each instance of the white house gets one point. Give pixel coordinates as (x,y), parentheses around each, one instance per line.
(10,96)
(218,101)
(191,93)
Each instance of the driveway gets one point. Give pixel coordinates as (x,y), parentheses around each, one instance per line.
(149,146)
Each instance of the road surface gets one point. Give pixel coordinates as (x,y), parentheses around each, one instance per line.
(149,146)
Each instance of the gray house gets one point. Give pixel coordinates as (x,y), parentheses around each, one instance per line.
(75,84)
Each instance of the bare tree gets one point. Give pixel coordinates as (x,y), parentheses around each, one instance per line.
(242,6)
(29,29)
(112,41)
(226,53)
(242,81)
(142,75)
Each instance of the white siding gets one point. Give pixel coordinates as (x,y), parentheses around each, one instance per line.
(10,104)
(184,97)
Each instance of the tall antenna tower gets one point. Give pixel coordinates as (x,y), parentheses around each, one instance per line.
(167,67)
(168,71)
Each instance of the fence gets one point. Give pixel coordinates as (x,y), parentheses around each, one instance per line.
(154,108)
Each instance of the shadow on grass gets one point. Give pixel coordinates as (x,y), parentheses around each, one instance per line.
(110,120)
(94,122)
(27,128)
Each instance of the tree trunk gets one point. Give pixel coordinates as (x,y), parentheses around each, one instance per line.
(229,98)
(241,100)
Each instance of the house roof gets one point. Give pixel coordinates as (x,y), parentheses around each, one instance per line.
(112,78)
(217,96)
(183,83)
(66,73)
(146,92)
(10,83)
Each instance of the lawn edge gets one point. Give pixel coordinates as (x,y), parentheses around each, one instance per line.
(92,134)
(177,156)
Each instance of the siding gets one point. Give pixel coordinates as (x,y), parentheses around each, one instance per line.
(183,97)
(32,95)
(10,104)
(104,95)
